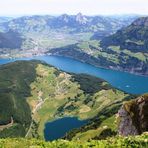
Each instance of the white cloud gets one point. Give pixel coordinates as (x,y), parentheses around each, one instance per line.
(19,7)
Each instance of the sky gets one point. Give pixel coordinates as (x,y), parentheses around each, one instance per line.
(87,7)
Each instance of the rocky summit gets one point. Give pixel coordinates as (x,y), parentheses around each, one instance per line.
(133,117)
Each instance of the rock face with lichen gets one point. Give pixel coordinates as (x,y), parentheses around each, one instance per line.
(133,116)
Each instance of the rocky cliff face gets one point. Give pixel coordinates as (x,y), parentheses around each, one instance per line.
(133,117)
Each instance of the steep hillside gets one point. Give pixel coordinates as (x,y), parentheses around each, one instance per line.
(130,46)
(15,79)
(10,39)
(133,37)
(46,93)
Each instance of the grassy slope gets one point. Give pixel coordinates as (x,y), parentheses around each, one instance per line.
(113,53)
(69,95)
(128,142)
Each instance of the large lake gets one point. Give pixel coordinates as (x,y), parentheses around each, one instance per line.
(127,82)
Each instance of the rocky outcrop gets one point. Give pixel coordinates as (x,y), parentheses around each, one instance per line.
(126,126)
(7,125)
(81,19)
(133,117)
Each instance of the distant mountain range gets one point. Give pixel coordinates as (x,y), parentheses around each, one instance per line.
(41,33)
(5,19)
(76,23)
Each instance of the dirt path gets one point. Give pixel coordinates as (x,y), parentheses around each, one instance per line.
(7,125)
(37,107)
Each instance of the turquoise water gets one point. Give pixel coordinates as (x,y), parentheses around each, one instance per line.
(127,82)
(58,128)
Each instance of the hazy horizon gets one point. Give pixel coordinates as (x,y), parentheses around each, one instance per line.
(56,15)
(72,7)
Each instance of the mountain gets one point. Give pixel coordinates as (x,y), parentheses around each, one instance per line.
(130,45)
(10,39)
(126,50)
(26,23)
(76,23)
(5,19)
(127,20)
(28,90)
(41,33)
(133,37)
(70,21)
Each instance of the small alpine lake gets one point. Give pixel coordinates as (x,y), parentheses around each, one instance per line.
(58,128)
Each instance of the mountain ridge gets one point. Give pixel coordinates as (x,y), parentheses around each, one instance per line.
(74,21)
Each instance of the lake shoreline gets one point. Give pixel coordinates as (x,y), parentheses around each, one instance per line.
(127,82)
(80,60)
(137,74)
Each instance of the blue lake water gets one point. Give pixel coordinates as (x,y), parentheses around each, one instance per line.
(58,128)
(127,82)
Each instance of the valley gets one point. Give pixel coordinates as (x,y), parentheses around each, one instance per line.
(42,33)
